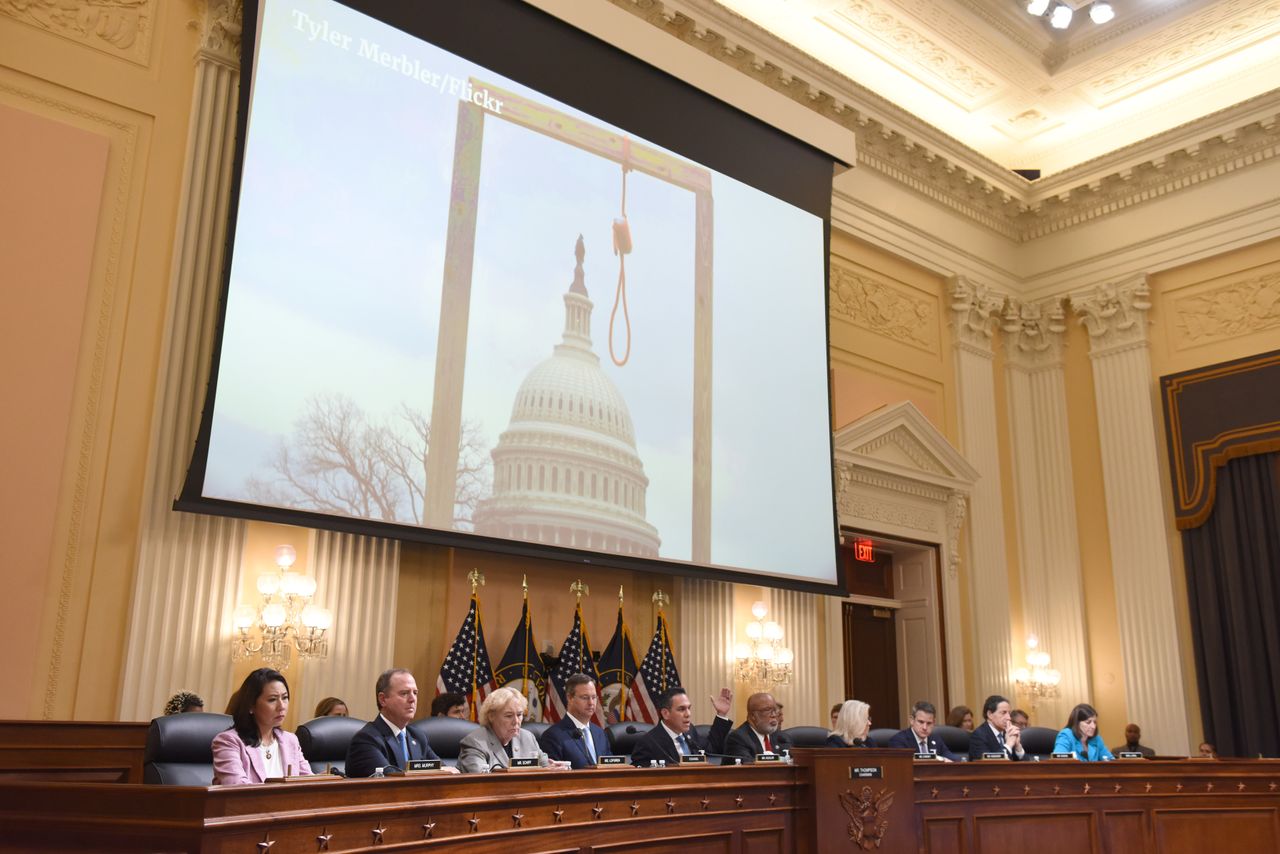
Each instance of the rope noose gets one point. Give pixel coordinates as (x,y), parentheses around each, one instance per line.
(621,247)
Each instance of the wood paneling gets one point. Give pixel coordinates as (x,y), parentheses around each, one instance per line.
(1197,830)
(1058,833)
(107,752)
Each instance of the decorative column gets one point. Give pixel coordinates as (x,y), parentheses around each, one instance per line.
(797,613)
(1052,589)
(189,566)
(976,312)
(954,631)
(1116,318)
(356,577)
(704,644)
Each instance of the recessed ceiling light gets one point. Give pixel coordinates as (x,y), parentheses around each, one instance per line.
(1061,17)
(1037,7)
(1100,13)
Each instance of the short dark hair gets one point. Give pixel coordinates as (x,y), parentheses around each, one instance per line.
(383,685)
(956,716)
(924,706)
(242,705)
(990,705)
(571,684)
(665,698)
(1079,715)
(1017,712)
(446,701)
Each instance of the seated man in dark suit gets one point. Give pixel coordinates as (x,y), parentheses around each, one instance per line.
(574,738)
(760,732)
(384,740)
(996,733)
(674,735)
(919,736)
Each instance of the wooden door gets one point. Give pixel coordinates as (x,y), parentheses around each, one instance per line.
(871,662)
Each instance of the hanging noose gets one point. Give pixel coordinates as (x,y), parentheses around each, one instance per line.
(621,248)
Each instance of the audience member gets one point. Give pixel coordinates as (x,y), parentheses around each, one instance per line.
(1080,736)
(779,717)
(1133,742)
(449,705)
(996,734)
(500,739)
(835,713)
(1208,751)
(919,736)
(853,724)
(674,736)
(1020,719)
(759,734)
(384,741)
(574,738)
(183,702)
(256,748)
(331,707)
(962,717)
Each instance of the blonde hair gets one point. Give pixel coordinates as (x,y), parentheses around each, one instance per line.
(498,701)
(853,722)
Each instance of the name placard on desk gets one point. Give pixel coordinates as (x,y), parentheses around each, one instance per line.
(768,757)
(1130,754)
(612,760)
(525,762)
(695,759)
(1062,756)
(926,756)
(424,765)
(866,772)
(996,755)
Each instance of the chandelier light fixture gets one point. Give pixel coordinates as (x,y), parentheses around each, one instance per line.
(286,620)
(1064,11)
(763,660)
(1039,681)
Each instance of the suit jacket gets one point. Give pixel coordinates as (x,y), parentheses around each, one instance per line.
(983,740)
(656,744)
(744,744)
(907,738)
(481,750)
(561,742)
(235,763)
(1066,742)
(374,747)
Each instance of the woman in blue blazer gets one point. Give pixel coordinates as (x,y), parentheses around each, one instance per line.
(1080,736)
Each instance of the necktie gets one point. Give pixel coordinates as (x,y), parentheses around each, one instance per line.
(683,745)
(404,750)
(768,746)
(923,747)
(591,748)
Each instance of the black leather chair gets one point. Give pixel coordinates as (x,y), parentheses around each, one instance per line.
(880,736)
(623,736)
(703,732)
(806,736)
(956,739)
(535,727)
(324,742)
(445,735)
(179,749)
(1038,740)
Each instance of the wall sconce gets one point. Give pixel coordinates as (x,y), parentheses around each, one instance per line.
(1040,681)
(763,660)
(285,619)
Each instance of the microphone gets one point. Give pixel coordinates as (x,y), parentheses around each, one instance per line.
(392,771)
(631,730)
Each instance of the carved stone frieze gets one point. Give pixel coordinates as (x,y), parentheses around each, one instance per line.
(976,311)
(887,512)
(118,27)
(1228,311)
(1034,332)
(852,475)
(956,507)
(1114,315)
(876,306)
(220,30)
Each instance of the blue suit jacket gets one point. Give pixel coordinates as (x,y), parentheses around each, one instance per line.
(1066,742)
(907,738)
(560,741)
(373,747)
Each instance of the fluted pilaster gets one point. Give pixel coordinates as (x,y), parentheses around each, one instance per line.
(797,613)
(188,566)
(1052,589)
(976,313)
(704,646)
(1116,318)
(356,577)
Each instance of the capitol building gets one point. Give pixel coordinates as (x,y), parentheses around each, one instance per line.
(566,471)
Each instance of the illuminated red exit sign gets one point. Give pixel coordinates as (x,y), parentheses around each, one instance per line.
(863,551)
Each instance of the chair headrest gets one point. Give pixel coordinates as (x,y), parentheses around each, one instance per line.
(806,736)
(881,735)
(623,736)
(327,738)
(444,734)
(184,737)
(535,727)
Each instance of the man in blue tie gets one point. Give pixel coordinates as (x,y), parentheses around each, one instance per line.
(574,738)
(385,740)
(674,735)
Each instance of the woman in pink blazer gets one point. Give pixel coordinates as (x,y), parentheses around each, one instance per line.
(256,748)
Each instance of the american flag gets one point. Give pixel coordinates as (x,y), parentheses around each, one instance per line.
(575,657)
(657,674)
(466,669)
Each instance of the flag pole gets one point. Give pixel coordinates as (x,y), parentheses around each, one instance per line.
(622,661)
(477,581)
(661,599)
(524,585)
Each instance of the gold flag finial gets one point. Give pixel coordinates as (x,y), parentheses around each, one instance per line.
(524,585)
(661,599)
(619,595)
(580,589)
(476,579)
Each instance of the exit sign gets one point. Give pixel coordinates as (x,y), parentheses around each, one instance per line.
(863,551)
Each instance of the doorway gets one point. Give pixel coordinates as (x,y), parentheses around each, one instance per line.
(871,661)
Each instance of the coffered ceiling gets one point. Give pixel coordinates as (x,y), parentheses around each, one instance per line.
(1024,95)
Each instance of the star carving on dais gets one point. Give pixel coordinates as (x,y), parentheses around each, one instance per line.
(773,799)
(1271,787)
(705,802)
(671,805)
(739,801)
(1087,787)
(597,811)
(266,843)
(322,841)
(1057,789)
(474,821)
(517,819)
(995,790)
(1239,787)
(933,792)
(964,793)
(1026,790)
(377,834)
(1148,787)
(1118,787)
(1208,787)
(635,808)
(1178,787)
(428,829)
(558,815)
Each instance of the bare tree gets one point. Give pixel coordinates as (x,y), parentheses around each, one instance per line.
(340,461)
